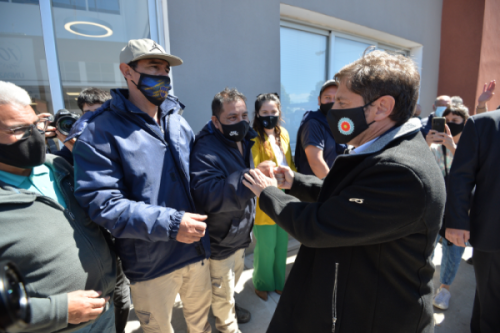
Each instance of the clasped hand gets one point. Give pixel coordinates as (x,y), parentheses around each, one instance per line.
(265,175)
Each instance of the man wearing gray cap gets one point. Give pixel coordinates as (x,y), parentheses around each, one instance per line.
(132,176)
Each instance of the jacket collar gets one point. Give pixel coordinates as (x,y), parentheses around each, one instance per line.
(119,102)
(413,125)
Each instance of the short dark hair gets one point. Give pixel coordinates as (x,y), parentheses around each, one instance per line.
(458,110)
(92,96)
(378,74)
(226,95)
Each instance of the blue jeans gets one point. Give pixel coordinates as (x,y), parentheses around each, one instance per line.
(104,324)
(450,261)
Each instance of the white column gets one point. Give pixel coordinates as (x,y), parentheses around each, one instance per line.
(49,41)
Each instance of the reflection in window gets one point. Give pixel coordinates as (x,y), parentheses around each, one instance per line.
(72,4)
(346,51)
(86,59)
(22,52)
(105,6)
(33,2)
(303,72)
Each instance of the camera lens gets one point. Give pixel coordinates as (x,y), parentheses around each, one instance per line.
(64,124)
(14,308)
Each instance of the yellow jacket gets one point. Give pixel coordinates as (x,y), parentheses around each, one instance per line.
(261,154)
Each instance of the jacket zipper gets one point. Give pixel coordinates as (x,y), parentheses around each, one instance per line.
(334,298)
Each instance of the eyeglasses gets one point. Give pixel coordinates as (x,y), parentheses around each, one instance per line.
(24,132)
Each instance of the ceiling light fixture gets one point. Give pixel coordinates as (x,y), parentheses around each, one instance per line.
(70,26)
(72,93)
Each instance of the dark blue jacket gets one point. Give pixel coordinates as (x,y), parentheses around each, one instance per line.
(301,162)
(65,153)
(217,169)
(134,181)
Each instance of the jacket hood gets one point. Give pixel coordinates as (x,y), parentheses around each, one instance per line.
(413,125)
(119,101)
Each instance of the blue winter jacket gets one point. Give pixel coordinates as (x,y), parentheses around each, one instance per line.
(217,170)
(133,179)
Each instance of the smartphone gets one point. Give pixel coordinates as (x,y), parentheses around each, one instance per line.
(440,110)
(438,124)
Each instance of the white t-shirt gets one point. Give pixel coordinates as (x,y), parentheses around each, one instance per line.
(280,157)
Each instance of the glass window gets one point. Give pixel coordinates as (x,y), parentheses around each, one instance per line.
(22,53)
(346,51)
(105,6)
(72,4)
(303,72)
(89,46)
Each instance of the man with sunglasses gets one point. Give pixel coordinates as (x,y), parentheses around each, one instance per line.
(65,258)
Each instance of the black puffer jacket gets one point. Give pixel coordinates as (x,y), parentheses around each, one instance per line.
(367,232)
(217,168)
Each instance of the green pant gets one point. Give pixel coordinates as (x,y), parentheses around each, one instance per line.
(269,261)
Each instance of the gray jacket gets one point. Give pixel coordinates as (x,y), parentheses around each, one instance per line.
(57,250)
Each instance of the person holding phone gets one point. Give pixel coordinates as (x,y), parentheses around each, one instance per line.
(443,145)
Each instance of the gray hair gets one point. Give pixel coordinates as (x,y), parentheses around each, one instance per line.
(12,94)
(457,100)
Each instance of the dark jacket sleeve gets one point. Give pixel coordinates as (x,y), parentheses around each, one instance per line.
(212,190)
(306,187)
(393,199)
(462,178)
(65,153)
(100,189)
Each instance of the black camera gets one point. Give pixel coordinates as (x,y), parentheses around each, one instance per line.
(64,120)
(14,301)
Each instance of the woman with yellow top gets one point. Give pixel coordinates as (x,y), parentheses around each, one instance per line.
(272,143)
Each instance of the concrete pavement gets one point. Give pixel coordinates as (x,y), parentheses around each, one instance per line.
(454,320)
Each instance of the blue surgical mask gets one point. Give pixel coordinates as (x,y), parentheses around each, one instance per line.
(154,87)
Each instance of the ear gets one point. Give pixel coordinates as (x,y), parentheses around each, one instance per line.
(433,107)
(125,69)
(216,123)
(384,107)
(319,101)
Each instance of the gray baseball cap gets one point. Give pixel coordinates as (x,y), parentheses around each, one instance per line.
(327,84)
(146,48)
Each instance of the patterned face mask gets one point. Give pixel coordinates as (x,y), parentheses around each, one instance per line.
(154,87)
(346,124)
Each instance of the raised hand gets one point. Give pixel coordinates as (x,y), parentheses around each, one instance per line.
(266,167)
(256,181)
(487,94)
(284,175)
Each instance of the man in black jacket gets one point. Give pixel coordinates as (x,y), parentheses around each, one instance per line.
(219,159)
(476,165)
(368,229)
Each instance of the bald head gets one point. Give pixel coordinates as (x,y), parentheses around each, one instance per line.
(442,100)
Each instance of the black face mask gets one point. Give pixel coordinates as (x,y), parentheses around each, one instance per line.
(154,87)
(269,122)
(346,124)
(456,129)
(25,153)
(324,108)
(235,132)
